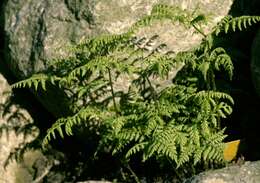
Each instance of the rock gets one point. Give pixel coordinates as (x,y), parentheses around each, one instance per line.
(8,138)
(13,118)
(246,173)
(37,31)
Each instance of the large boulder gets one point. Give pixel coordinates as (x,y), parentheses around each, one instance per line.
(249,172)
(37,31)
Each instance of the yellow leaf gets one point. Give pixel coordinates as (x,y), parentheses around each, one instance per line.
(231,150)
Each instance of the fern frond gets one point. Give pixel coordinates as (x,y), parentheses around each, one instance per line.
(135,149)
(57,126)
(85,115)
(36,80)
(184,155)
(165,141)
(220,58)
(202,95)
(229,22)
(130,135)
(163,12)
(101,45)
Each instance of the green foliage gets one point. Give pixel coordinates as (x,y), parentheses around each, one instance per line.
(235,23)
(111,80)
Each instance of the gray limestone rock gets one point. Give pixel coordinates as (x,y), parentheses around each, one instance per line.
(38,31)
(246,173)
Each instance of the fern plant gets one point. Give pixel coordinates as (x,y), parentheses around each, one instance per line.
(111,80)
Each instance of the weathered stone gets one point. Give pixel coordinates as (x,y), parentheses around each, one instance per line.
(37,31)
(8,138)
(12,116)
(246,173)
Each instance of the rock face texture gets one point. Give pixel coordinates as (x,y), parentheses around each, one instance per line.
(8,138)
(38,31)
(246,173)
(35,166)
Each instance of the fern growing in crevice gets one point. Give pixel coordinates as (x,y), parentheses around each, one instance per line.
(112,80)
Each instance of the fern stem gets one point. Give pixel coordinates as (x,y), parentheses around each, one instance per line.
(133,173)
(112,90)
(154,94)
(199,31)
(212,81)
(123,174)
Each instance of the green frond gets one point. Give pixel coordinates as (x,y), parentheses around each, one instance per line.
(221,59)
(91,87)
(66,124)
(204,68)
(178,122)
(161,12)
(216,138)
(57,126)
(223,109)
(135,149)
(130,134)
(35,81)
(102,45)
(118,123)
(165,142)
(199,19)
(160,66)
(235,23)
(184,155)
(202,95)
(225,61)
